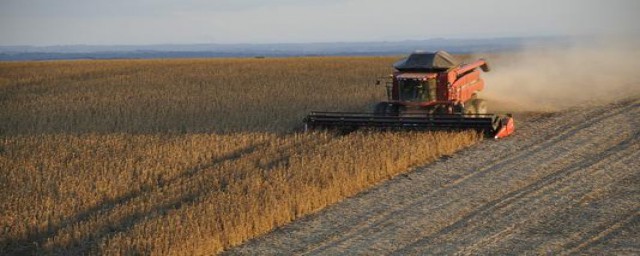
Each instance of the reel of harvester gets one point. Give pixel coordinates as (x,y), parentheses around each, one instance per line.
(489,124)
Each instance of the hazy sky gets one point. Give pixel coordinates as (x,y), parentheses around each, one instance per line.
(53,22)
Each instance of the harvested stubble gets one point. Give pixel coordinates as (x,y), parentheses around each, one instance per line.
(92,162)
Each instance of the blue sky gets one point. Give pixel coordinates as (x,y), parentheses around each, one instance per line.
(51,22)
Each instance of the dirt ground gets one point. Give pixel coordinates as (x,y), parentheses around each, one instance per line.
(565,183)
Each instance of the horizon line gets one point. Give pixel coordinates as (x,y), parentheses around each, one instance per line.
(314,42)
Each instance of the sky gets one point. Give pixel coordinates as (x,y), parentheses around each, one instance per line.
(137,22)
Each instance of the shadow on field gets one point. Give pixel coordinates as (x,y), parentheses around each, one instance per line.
(34,243)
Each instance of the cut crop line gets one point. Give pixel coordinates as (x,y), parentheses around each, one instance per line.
(342,235)
(499,166)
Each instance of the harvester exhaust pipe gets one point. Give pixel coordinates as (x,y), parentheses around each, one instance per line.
(485,67)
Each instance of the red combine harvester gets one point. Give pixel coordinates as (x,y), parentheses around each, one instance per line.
(430,91)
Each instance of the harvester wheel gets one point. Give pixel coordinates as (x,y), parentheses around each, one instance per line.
(481,106)
(380,109)
(475,107)
(459,109)
(385,109)
(470,108)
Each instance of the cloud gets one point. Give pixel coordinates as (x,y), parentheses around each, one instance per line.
(258,21)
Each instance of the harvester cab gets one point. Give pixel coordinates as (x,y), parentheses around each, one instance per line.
(428,90)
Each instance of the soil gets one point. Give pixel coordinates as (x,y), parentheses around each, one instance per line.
(565,183)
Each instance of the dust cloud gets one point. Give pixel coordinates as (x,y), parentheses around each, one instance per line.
(555,78)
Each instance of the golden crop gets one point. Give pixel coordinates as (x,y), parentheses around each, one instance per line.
(185,156)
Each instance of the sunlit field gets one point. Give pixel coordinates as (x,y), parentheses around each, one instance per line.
(185,156)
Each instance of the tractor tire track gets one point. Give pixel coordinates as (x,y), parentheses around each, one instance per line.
(613,227)
(409,215)
(517,205)
(621,238)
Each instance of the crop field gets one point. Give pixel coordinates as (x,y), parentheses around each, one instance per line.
(184,157)
(566,183)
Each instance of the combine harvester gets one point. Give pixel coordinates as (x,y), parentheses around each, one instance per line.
(429,91)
